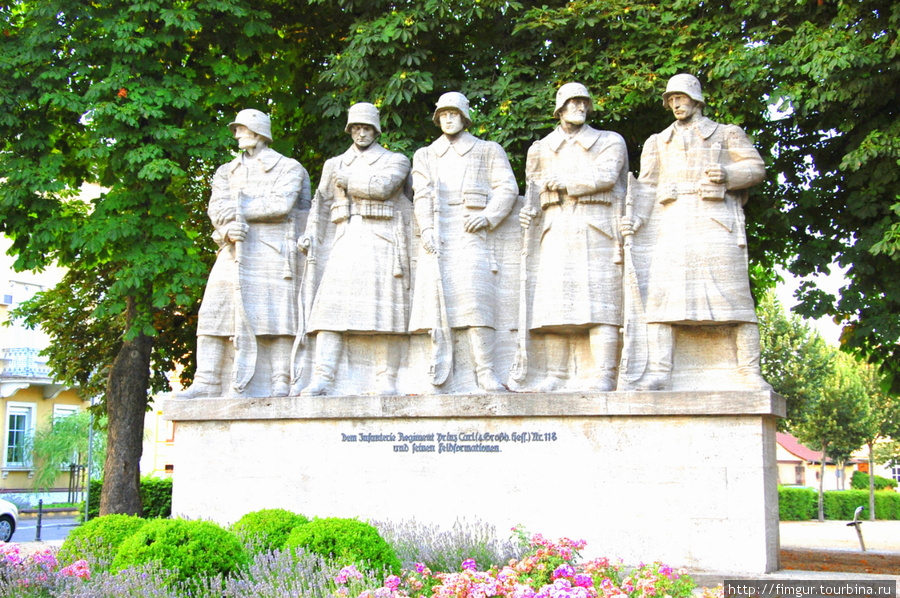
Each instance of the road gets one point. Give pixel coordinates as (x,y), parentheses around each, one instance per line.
(52,528)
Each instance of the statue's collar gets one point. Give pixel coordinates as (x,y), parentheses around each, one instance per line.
(462,145)
(371,155)
(705,126)
(586,138)
(267,158)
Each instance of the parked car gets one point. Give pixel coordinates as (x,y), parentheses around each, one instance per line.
(9,518)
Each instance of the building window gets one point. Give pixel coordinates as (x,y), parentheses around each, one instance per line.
(895,472)
(19,429)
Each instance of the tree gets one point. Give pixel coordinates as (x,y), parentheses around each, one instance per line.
(837,421)
(131,96)
(883,422)
(62,441)
(794,358)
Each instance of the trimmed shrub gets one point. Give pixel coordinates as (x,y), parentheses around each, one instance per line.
(156,497)
(797,504)
(840,504)
(267,529)
(860,481)
(98,540)
(189,549)
(346,541)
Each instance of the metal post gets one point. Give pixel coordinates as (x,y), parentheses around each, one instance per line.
(87,494)
(37,529)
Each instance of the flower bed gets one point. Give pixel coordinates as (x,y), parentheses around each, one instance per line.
(548,569)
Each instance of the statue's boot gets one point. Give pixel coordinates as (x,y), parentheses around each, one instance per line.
(281,366)
(387,360)
(481,339)
(557,347)
(328,351)
(659,373)
(605,350)
(208,378)
(747,345)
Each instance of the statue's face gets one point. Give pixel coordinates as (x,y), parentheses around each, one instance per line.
(451,122)
(683,107)
(247,139)
(575,111)
(363,135)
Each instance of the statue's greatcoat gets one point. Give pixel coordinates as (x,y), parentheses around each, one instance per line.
(698,270)
(579,267)
(365,284)
(450,180)
(275,191)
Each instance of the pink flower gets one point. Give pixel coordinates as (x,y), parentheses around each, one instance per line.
(563,571)
(77,569)
(346,574)
(392,582)
(469,565)
(584,580)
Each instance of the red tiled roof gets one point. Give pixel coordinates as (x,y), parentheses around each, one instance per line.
(793,446)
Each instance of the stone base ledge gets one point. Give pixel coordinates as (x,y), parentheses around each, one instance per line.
(597,404)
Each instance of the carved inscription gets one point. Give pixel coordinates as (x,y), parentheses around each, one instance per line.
(460,442)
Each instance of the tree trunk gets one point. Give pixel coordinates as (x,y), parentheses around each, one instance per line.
(126,403)
(822,483)
(871,481)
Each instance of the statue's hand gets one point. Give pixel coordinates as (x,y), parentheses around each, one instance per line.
(630,225)
(237,231)
(428,242)
(717,174)
(526,216)
(304,243)
(342,179)
(474,223)
(556,184)
(226,214)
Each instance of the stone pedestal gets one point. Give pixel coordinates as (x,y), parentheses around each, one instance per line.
(688,478)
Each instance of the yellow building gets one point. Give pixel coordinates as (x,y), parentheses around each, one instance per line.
(29,397)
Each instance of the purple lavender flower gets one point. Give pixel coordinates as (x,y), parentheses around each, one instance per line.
(469,565)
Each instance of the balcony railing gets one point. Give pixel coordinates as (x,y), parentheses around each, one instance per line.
(23,362)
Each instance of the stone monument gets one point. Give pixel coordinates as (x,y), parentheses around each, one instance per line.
(682,470)
(463,189)
(576,187)
(249,311)
(364,287)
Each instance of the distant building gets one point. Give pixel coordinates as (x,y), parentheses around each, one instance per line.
(799,465)
(29,396)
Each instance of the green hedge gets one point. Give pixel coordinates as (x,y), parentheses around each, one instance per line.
(860,481)
(802,504)
(156,498)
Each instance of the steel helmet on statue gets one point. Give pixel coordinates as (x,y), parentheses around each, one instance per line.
(684,83)
(363,113)
(569,91)
(256,121)
(452,100)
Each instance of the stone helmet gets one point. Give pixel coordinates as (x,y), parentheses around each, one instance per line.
(684,83)
(256,121)
(363,113)
(456,101)
(569,91)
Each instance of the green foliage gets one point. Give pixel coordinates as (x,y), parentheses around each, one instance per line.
(888,453)
(794,358)
(60,442)
(156,497)
(267,529)
(347,541)
(799,504)
(95,487)
(860,481)
(190,549)
(796,504)
(98,540)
